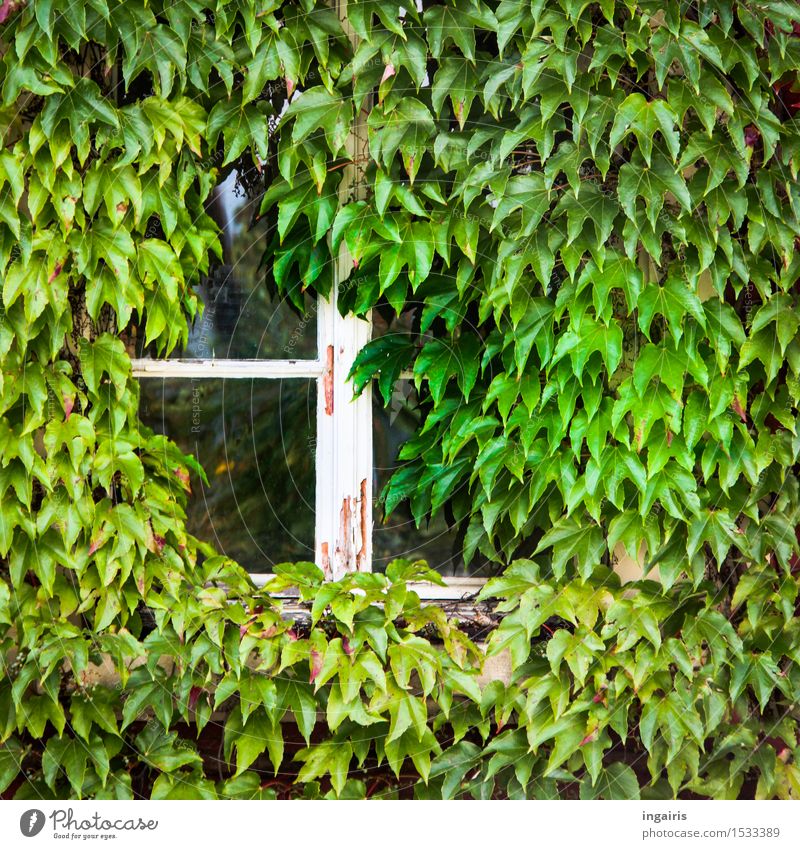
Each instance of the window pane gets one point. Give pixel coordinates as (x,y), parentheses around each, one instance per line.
(398,536)
(256,441)
(385,320)
(241,319)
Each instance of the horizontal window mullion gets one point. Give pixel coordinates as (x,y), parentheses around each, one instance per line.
(455,589)
(268,369)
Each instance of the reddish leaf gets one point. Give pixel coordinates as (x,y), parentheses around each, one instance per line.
(348,649)
(737,407)
(69,403)
(183,477)
(96,543)
(194,695)
(388,71)
(55,272)
(6,8)
(316,665)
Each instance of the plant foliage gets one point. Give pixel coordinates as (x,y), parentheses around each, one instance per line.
(591,210)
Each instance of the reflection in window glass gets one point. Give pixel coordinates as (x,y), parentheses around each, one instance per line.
(256,441)
(387,321)
(398,535)
(241,320)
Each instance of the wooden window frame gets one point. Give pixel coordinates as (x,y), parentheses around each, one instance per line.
(344,461)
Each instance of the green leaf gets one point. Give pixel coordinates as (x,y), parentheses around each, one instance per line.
(527,194)
(317,109)
(304,199)
(569,537)
(385,357)
(446,24)
(159,51)
(658,362)
(259,733)
(717,529)
(644,119)
(406,128)
(584,338)
(653,183)
(673,301)
(781,312)
(243,126)
(67,755)
(455,78)
(719,154)
(298,696)
(764,346)
(11,757)
(616,781)
(453,764)
(332,756)
(105,356)
(439,361)
(94,708)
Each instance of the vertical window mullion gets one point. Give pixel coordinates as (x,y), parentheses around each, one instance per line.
(344,423)
(344,449)
(326,442)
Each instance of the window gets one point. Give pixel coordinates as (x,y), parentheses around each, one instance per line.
(260,396)
(266,407)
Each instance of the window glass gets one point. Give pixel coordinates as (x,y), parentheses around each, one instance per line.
(438,541)
(256,441)
(397,535)
(242,320)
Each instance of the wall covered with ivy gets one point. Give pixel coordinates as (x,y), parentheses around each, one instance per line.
(592,210)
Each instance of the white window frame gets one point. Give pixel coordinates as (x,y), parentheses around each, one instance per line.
(344,461)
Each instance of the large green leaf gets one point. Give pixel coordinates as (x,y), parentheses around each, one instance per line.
(644,119)
(317,109)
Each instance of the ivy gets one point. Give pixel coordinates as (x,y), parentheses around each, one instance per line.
(593,208)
